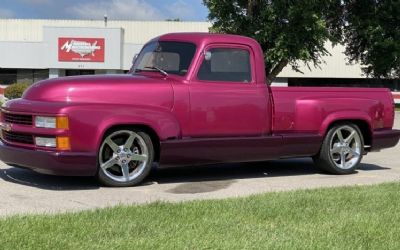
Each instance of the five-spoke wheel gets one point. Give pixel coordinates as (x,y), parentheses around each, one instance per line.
(125,158)
(342,149)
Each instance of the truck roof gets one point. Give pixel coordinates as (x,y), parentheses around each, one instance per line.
(199,38)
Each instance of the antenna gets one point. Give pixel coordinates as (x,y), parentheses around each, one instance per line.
(105,19)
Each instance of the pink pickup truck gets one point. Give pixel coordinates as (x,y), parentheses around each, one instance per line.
(190,98)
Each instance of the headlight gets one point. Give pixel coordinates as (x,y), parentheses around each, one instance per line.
(45,122)
(60,122)
(59,142)
(46,142)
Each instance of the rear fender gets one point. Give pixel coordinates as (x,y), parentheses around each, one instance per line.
(319,114)
(344,116)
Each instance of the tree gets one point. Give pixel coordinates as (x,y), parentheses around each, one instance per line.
(288,30)
(372,36)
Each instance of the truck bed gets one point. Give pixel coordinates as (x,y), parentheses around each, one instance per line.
(306,108)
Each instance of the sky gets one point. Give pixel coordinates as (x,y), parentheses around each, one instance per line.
(186,10)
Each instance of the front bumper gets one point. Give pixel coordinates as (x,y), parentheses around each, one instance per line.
(385,139)
(55,163)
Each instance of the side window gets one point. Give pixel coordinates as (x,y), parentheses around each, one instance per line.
(227,65)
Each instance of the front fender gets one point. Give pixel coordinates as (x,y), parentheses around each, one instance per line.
(89,123)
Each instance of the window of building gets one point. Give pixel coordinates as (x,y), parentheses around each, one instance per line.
(8,76)
(32,75)
(226,64)
(78,72)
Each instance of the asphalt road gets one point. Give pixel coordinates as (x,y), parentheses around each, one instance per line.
(24,191)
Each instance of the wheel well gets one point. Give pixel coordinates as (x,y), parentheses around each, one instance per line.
(148,130)
(362,125)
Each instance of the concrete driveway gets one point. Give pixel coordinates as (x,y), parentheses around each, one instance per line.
(24,191)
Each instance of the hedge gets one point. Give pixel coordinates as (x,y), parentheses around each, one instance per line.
(15,90)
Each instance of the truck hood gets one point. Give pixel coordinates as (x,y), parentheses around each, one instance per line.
(112,89)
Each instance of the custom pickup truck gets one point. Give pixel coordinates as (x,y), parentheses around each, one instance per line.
(190,98)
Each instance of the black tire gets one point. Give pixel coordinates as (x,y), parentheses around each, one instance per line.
(329,160)
(116,159)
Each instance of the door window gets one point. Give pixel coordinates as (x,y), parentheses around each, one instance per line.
(226,65)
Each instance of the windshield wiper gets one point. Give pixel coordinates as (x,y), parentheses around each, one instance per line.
(158,69)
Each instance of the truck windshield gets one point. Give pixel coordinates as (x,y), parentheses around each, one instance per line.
(165,58)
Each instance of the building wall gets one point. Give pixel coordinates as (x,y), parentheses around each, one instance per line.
(22,54)
(334,65)
(32,44)
(136,32)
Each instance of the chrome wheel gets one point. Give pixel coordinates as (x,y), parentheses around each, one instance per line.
(345,147)
(123,156)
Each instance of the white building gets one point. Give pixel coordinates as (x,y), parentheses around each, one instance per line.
(31,50)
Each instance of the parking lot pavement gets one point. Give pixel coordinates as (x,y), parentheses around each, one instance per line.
(23,191)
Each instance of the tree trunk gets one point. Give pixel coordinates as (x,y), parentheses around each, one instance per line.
(276,70)
(250,8)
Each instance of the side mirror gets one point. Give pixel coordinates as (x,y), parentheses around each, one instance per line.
(207,55)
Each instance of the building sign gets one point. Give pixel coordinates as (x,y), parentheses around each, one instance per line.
(80,49)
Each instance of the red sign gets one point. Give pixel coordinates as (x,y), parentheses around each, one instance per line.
(80,49)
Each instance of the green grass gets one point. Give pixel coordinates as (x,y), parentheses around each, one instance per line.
(330,218)
(397,107)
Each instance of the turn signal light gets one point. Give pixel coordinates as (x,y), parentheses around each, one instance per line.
(63,143)
(62,122)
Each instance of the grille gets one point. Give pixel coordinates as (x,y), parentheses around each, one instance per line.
(17,137)
(18,119)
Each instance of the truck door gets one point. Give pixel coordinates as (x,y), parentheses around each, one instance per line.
(225,100)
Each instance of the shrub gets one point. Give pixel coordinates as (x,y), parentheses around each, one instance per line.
(15,90)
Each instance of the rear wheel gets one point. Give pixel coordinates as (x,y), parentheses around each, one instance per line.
(125,158)
(342,149)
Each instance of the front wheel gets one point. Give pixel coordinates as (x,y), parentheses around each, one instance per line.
(341,150)
(125,158)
